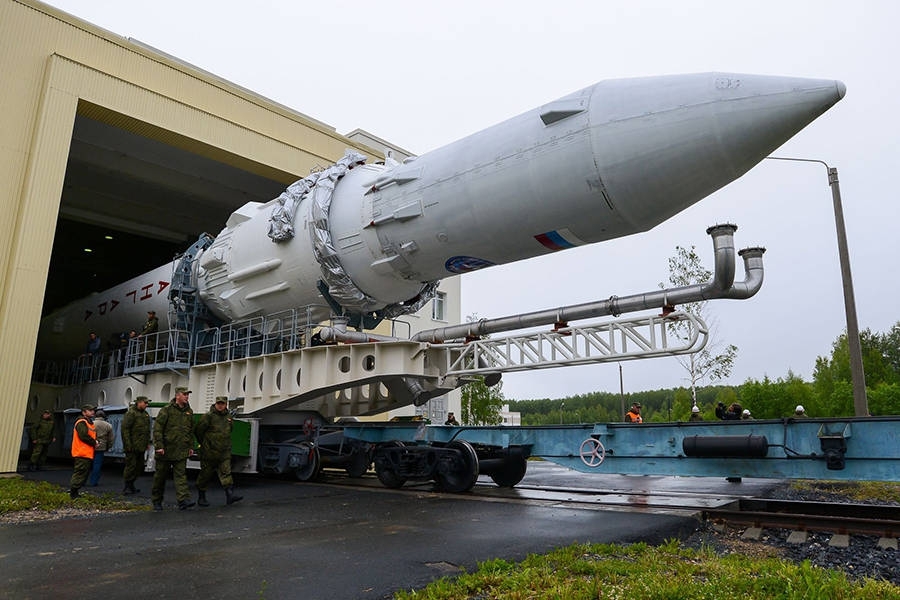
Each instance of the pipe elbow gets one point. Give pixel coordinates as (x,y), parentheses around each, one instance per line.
(753,280)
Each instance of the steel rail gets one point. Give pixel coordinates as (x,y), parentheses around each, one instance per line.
(840,518)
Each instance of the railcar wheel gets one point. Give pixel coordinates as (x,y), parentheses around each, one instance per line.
(313,466)
(512,471)
(464,474)
(386,474)
(359,464)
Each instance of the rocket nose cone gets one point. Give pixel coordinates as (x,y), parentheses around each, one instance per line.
(687,136)
(841,89)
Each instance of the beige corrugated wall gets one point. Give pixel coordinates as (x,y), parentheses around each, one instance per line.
(53,65)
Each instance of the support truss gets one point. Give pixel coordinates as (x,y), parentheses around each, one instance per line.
(612,341)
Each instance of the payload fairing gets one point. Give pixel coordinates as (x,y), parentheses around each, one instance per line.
(610,160)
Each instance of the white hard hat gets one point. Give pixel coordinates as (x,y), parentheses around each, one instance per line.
(799,408)
(746,412)
(696,409)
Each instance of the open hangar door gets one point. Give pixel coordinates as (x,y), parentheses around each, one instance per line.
(131,202)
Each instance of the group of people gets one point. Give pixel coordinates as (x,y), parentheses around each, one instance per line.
(173,435)
(734,412)
(119,344)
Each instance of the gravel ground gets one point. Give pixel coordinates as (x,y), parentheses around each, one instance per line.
(861,559)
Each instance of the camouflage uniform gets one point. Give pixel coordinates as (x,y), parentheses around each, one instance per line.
(41,438)
(214,435)
(148,334)
(173,432)
(135,439)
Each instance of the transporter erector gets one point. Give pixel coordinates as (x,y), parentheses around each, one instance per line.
(242,313)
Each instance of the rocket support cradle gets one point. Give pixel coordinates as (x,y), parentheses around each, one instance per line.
(613,159)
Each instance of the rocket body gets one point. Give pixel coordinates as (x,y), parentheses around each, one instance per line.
(610,160)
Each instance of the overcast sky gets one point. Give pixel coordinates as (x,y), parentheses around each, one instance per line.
(422,76)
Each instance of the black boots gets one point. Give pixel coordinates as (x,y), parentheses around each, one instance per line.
(157,506)
(230,498)
(129,488)
(73,493)
(185,504)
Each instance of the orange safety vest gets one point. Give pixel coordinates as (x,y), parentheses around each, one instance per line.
(633,417)
(79,448)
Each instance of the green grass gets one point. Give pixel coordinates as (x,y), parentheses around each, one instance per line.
(18,494)
(639,571)
(855,491)
(669,572)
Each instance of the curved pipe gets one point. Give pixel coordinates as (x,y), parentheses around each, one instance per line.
(338,333)
(720,286)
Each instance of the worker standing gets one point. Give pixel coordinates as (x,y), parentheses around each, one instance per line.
(135,440)
(84,440)
(106,437)
(173,441)
(41,438)
(634,414)
(214,435)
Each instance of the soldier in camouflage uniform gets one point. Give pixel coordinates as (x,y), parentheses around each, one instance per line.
(41,438)
(136,440)
(214,435)
(173,439)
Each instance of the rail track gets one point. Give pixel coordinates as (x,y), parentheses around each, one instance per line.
(837,518)
(579,498)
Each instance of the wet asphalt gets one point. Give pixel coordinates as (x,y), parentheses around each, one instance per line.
(307,540)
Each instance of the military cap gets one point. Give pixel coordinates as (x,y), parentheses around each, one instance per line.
(182,390)
(47,411)
(100,413)
(88,407)
(142,399)
(221,398)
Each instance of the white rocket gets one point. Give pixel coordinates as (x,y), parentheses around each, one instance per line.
(610,160)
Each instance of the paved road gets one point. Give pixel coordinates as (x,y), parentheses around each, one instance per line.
(293,540)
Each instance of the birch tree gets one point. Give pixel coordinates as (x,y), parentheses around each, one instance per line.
(716,360)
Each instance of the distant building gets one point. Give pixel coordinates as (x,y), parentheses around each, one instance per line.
(510,418)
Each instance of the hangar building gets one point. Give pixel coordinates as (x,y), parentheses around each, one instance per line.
(104,135)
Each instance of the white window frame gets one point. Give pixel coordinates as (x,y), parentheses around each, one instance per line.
(439,307)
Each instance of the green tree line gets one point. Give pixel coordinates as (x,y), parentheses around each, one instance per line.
(829,394)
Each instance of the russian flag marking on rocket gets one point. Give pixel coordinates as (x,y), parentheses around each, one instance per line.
(559,239)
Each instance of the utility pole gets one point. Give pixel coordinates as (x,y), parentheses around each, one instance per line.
(621,392)
(857,373)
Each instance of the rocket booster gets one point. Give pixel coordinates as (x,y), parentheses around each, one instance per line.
(613,159)
(610,160)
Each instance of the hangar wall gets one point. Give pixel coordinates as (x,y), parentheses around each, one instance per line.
(55,66)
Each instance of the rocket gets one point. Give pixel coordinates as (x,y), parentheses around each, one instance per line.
(372,241)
